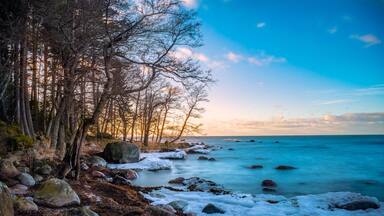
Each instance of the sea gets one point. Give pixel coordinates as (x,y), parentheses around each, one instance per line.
(324,164)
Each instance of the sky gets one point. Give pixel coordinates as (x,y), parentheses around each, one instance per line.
(292,66)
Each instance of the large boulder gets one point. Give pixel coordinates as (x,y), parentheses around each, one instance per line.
(178,205)
(8,169)
(56,193)
(158,211)
(96,161)
(121,152)
(6,202)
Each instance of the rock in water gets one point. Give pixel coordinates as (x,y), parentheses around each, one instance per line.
(257,166)
(360,205)
(178,205)
(56,193)
(285,167)
(80,211)
(8,170)
(212,209)
(26,179)
(97,161)
(268,183)
(121,152)
(6,202)
(178,180)
(25,205)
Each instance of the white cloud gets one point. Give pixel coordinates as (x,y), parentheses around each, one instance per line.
(372,90)
(368,39)
(332,30)
(233,57)
(340,101)
(190,3)
(184,53)
(261,25)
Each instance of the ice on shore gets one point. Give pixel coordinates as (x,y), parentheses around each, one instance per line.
(261,204)
(198,149)
(151,161)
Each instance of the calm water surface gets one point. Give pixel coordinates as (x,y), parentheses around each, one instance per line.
(325,163)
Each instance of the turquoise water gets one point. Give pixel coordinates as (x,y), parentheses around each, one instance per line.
(324,164)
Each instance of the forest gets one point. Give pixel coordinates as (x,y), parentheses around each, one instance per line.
(72,69)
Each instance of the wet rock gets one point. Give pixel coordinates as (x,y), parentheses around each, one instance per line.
(178,180)
(178,205)
(257,166)
(198,184)
(231,149)
(273,201)
(6,202)
(8,169)
(121,152)
(80,211)
(268,183)
(44,170)
(212,159)
(252,140)
(212,209)
(277,142)
(121,180)
(98,174)
(26,179)
(19,189)
(360,205)
(128,174)
(23,204)
(38,178)
(158,211)
(285,167)
(269,190)
(56,193)
(202,158)
(96,161)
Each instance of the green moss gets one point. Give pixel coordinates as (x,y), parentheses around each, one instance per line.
(13,139)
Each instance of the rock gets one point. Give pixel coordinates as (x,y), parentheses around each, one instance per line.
(7,169)
(80,211)
(96,161)
(268,183)
(84,166)
(11,182)
(212,159)
(158,211)
(6,202)
(121,180)
(257,166)
(121,152)
(38,178)
(19,189)
(56,193)
(128,173)
(98,174)
(198,184)
(273,201)
(178,180)
(251,140)
(231,149)
(359,205)
(277,142)
(24,205)
(269,190)
(24,169)
(26,179)
(202,158)
(178,205)
(212,209)
(44,170)
(285,167)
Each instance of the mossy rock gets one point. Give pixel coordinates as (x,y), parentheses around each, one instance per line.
(12,139)
(6,202)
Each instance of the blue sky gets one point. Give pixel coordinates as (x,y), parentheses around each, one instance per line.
(293,67)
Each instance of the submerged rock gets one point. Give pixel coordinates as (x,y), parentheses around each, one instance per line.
(268,183)
(360,205)
(6,202)
(8,169)
(26,179)
(121,152)
(56,193)
(202,158)
(269,189)
(96,161)
(257,166)
(178,205)
(212,209)
(231,149)
(285,167)
(25,205)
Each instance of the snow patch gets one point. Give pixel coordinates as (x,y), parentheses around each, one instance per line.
(149,163)
(261,204)
(178,155)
